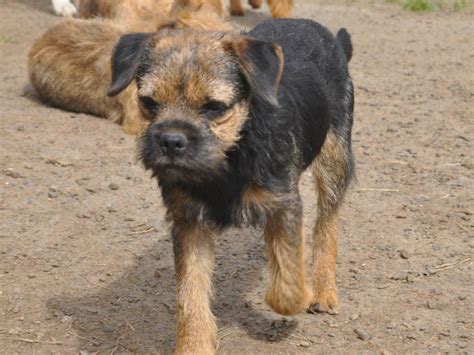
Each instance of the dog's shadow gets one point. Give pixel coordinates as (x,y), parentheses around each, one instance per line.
(136,313)
(250,19)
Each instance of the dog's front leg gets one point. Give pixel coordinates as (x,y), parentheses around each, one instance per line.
(194,261)
(288,293)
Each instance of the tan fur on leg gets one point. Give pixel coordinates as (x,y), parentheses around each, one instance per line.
(331,175)
(236,8)
(256,4)
(288,293)
(194,260)
(280,8)
(325,238)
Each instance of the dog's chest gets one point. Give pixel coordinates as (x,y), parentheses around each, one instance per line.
(228,206)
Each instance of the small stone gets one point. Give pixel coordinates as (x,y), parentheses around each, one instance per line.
(66,319)
(430,305)
(17,308)
(20,128)
(108,328)
(53,194)
(355,316)
(404,254)
(462,345)
(12,174)
(304,344)
(462,298)
(84,352)
(362,334)
(13,331)
(113,186)
(31,276)
(157,274)
(111,209)
(412,336)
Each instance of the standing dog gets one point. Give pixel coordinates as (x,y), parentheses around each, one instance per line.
(234,120)
(69,66)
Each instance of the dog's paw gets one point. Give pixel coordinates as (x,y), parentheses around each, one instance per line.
(64,8)
(325,301)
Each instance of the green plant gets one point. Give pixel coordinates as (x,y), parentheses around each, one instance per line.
(460,5)
(417,5)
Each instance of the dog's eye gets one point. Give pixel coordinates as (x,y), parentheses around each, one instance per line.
(213,109)
(151,106)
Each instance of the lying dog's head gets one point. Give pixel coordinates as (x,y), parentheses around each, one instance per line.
(195,88)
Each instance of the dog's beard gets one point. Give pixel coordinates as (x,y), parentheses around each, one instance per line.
(196,166)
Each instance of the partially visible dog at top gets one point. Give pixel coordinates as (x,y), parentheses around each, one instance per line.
(87,8)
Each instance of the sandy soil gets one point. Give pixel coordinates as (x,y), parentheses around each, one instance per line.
(85,255)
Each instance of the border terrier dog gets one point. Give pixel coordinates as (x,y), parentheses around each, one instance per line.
(234,120)
(278,8)
(69,65)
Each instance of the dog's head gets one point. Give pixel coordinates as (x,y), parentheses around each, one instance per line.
(195,88)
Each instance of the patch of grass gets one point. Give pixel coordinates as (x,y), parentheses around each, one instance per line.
(417,5)
(5,39)
(393,1)
(460,5)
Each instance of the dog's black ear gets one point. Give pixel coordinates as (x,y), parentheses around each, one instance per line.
(126,58)
(262,65)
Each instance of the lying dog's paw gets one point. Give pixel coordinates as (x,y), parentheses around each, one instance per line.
(64,8)
(325,301)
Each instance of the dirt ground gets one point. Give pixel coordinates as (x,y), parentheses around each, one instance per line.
(85,254)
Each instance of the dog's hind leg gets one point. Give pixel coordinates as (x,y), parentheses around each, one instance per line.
(288,293)
(194,262)
(280,8)
(256,4)
(332,171)
(236,8)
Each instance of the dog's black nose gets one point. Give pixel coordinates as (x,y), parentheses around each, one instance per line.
(172,143)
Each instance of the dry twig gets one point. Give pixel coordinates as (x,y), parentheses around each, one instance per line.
(380,190)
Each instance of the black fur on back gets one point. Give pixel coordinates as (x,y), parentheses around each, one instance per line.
(279,142)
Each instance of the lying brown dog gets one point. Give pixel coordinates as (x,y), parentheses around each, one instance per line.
(69,66)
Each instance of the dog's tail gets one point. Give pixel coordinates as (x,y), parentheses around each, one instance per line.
(344,39)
